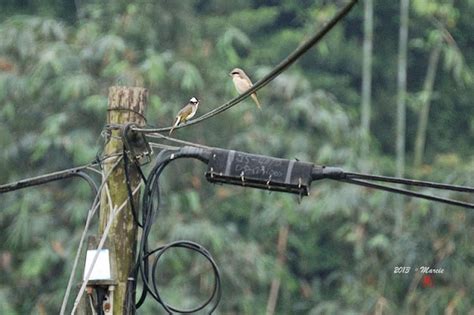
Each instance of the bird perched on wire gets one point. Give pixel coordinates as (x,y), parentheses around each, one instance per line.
(186,113)
(242,83)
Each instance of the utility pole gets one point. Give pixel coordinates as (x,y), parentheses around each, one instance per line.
(126,105)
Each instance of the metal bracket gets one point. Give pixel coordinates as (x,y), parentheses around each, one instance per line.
(136,145)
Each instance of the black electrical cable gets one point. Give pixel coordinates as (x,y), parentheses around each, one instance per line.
(193,144)
(216,292)
(147,219)
(282,66)
(54,176)
(126,165)
(151,197)
(336,173)
(411,182)
(150,208)
(100,294)
(89,180)
(48,178)
(408,193)
(146,269)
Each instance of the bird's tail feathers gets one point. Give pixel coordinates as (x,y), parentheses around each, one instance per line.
(255,99)
(176,123)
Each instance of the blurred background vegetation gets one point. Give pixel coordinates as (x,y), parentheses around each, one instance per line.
(338,247)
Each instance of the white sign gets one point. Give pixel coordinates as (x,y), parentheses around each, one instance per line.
(101,269)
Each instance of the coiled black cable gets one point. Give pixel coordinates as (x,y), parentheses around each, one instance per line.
(150,207)
(153,288)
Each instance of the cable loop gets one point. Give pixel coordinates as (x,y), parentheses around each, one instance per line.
(216,292)
(144,268)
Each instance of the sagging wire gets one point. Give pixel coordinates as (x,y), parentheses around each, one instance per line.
(90,215)
(163,146)
(51,177)
(411,182)
(193,144)
(65,174)
(55,176)
(282,66)
(150,208)
(216,291)
(338,174)
(409,193)
(78,171)
(114,211)
(88,179)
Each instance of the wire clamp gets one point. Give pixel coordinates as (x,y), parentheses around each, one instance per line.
(268,181)
(242,178)
(136,145)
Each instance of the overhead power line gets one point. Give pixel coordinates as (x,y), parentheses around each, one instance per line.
(282,66)
(51,177)
(409,193)
(55,176)
(248,170)
(193,144)
(411,182)
(274,174)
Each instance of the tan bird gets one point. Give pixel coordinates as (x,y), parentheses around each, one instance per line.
(186,113)
(242,83)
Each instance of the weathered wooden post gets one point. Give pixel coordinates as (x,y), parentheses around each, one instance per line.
(126,105)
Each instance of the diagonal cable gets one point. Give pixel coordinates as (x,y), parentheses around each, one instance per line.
(54,176)
(100,246)
(90,215)
(282,66)
(411,182)
(408,193)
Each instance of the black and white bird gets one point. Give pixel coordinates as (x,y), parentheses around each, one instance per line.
(186,113)
(242,83)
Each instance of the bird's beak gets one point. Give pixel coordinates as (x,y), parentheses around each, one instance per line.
(230,74)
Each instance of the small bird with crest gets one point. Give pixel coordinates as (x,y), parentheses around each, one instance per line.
(186,113)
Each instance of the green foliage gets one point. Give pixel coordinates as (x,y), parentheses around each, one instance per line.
(56,66)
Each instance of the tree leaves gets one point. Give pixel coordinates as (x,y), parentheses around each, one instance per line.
(53,83)
(187,74)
